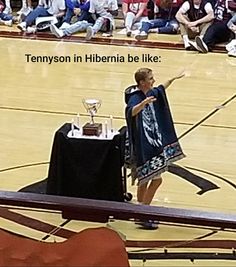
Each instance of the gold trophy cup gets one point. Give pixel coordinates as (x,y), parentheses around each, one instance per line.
(92,106)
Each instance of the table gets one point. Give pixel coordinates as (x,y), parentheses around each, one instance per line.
(86,168)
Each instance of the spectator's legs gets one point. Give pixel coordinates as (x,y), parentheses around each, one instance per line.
(203,28)
(170,27)
(218,32)
(129,19)
(92,30)
(37,12)
(7,9)
(186,34)
(156,23)
(79,26)
(98,24)
(30,19)
(6,19)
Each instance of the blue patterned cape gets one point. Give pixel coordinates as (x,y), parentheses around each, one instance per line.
(153,143)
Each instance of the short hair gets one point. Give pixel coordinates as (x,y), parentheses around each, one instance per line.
(141,74)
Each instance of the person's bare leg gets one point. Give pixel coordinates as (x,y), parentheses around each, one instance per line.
(151,190)
(141,192)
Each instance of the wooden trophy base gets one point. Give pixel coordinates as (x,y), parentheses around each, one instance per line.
(92,129)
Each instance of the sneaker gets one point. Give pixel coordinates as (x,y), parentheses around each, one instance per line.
(128,32)
(15,19)
(202,47)
(90,33)
(192,46)
(232,53)
(57,32)
(8,23)
(141,36)
(7,10)
(231,45)
(64,25)
(107,34)
(22,26)
(31,30)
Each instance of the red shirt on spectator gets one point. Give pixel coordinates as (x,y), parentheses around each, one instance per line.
(134,5)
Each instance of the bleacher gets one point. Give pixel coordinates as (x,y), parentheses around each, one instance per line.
(154,40)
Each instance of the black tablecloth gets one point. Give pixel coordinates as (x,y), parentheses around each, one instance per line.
(86,168)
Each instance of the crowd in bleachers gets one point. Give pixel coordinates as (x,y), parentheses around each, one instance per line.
(201,23)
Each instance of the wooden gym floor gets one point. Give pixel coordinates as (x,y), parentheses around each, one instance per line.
(37,98)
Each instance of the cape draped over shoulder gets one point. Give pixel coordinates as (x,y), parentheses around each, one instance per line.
(153,143)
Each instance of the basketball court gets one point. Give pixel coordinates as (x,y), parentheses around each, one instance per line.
(36,98)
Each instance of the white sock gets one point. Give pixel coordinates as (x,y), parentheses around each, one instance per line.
(186,40)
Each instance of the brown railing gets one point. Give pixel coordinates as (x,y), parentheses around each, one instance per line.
(100,210)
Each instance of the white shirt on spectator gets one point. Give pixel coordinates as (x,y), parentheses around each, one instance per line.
(186,6)
(54,6)
(102,7)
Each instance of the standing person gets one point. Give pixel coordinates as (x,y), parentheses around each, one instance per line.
(152,139)
(218,32)
(194,16)
(165,22)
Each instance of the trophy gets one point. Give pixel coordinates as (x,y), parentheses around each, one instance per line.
(92,128)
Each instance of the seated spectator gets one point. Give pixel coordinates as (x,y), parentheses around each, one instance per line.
(134,11)
(76,8)
(105,11)
(218,32)
(84,21)
(194,16)
(52,8)
(5,19)
(26,7)
(231,47)
(165,22)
